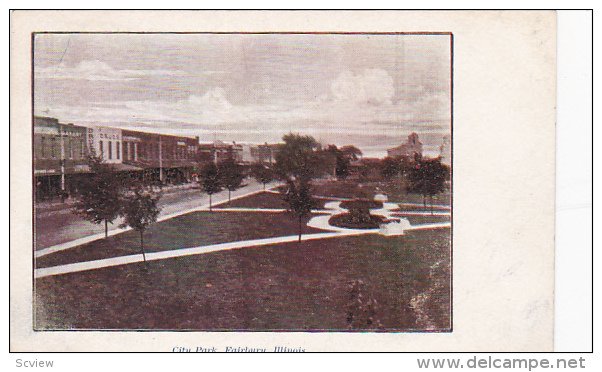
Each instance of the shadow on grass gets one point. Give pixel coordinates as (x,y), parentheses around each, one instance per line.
(189,230)
(290,286)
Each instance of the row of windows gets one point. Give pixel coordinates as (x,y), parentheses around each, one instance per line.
(75,149)
(51,148)
(151,151)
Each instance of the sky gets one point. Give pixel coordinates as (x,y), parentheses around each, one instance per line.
(371,91)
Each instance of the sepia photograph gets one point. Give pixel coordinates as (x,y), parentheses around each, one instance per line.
(240,181)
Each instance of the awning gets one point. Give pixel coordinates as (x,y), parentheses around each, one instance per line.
(120,167)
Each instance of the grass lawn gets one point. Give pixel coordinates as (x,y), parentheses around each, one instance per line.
(420,220)
(353,189)
(421,208)
(268,200)
(189,230)
(312,285)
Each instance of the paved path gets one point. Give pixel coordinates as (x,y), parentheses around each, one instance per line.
(122,260)
(218,199)
(153,256)
(54,227)
(320,222)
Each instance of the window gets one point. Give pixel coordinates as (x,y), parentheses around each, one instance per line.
(53,147)
(110,150)
(117,149)
(102,149)
(126,151)
(70,148)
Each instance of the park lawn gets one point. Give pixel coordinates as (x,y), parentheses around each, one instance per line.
(288,286)
(267,200)
(354,189)
(421,220)
(186,231)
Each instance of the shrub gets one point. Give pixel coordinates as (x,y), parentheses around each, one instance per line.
(356,220)
(361,204)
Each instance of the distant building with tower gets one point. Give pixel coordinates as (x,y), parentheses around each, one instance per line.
(411,148)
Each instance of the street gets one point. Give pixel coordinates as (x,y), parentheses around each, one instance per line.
(56,224)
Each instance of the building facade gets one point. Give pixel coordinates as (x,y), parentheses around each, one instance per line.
(219,151)
(265,153)
(105,143)
(163,158)
(59,157)
(61,151)
(412,148)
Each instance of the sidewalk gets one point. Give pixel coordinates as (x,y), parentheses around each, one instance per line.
(56,203)
(70,236)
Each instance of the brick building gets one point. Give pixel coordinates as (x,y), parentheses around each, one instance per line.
(218,151)
(163,158)
(59,156)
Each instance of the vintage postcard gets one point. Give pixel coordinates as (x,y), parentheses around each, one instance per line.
(282,183)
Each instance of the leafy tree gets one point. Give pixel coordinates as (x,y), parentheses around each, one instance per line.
(389,167)
(342,158)
(297,158)
(100,194)
(300,201)
(262,173)
(231,175)
(427,178)
(139,211)
(297,163)
(210,180)
(351,152)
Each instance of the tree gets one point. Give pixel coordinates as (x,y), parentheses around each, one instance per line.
(297,163)
(210,180)
(262,173)
(297,158)
(231,175)
(427,178)
(342,158)
(139,211)
(389,167)
(100,194)
(351,152)
(299,200)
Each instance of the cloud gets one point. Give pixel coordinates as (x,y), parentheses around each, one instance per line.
(370,86)
(214,100)
(99,71)
(362,104)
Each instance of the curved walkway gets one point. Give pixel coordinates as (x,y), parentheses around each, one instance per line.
(320,222)
(91,238)
(388,210)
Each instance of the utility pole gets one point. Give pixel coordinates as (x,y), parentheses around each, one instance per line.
(62,158)
(160,160)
